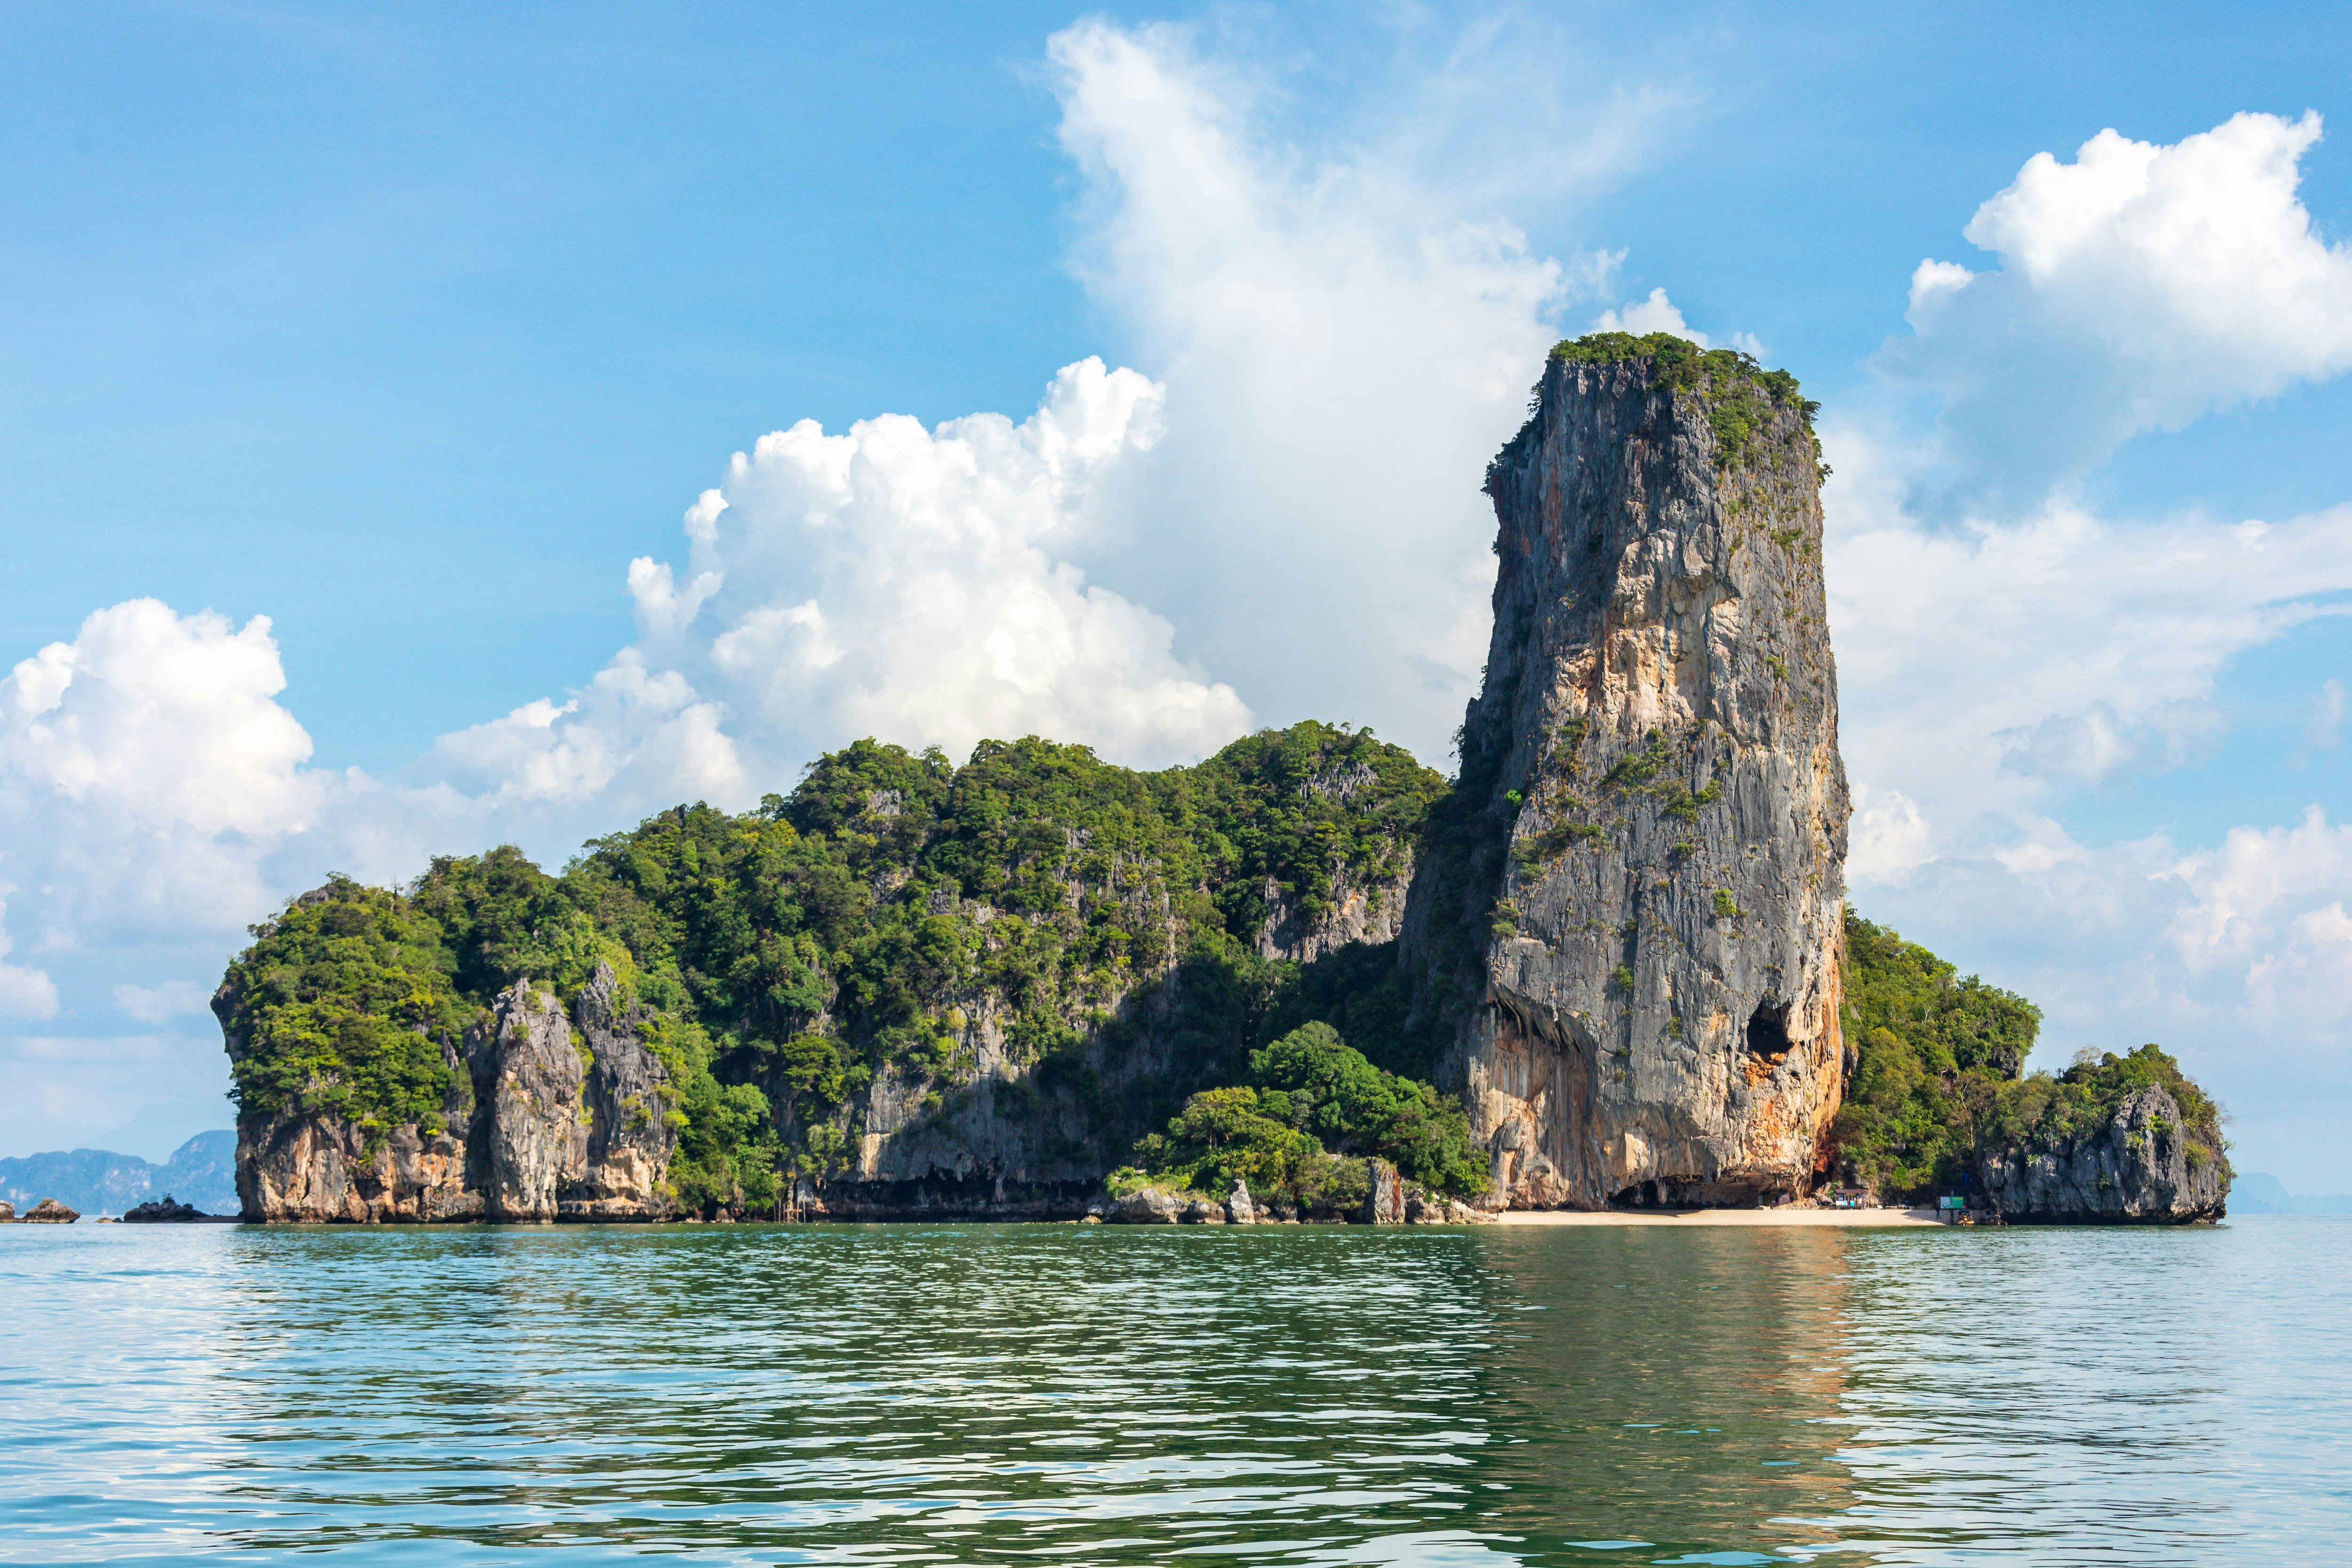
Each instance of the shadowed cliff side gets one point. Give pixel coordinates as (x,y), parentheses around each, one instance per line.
(1629,912)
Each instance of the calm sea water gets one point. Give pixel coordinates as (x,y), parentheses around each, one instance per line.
(1105,1395)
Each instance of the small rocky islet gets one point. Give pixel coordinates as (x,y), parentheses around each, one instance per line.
(1609,964)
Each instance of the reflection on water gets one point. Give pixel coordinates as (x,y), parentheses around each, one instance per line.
(1686,1380)
(834,1395)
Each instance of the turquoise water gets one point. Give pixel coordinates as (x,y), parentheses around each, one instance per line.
(1106,1395)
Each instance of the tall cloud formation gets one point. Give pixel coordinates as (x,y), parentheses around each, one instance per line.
(913,583)
(1343,351)
(148,776)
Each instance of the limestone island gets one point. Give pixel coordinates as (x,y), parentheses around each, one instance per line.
(1608,966)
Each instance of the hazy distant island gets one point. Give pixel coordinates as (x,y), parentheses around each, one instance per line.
(1607,963)
(202,1171)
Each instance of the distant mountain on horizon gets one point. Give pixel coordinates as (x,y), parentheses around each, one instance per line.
(202,1171)
(2259,1194)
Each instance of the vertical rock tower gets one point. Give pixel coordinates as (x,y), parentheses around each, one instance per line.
(1634,907)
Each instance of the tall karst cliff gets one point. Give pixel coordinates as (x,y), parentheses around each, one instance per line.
(1632,916)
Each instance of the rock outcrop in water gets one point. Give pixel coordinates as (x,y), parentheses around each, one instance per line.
(169,1210)
(1638,906)
(2135,1167)
(553,1114)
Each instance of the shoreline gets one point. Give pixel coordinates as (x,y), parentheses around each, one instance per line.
(1859,1218)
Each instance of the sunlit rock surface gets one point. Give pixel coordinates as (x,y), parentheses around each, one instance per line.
(1636,905)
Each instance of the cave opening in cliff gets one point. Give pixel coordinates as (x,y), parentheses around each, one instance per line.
(1768,1031)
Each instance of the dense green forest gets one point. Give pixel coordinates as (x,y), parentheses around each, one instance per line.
(1939,1076)
(1309,1099)
(859,924)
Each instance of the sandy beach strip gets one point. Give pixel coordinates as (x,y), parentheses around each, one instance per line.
(1793,1215)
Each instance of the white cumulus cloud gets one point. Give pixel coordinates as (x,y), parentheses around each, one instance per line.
(913,584)
(1655,314)
(162,718)
(2140,286)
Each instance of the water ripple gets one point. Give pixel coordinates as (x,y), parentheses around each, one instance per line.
(1102,1396)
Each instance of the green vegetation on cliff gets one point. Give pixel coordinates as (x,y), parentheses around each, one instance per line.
(344,1005)
(1938,1079)
(1736,394)
(1311,1096)
(1681,365)
(892,915)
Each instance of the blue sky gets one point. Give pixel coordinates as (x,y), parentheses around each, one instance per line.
(411,331)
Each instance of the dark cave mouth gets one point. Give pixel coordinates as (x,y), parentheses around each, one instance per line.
(1768,1031)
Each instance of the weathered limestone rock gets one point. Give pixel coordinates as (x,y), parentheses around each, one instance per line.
(49,1211)
(530,1077)
(1368,914)
(7,1212)
(619,1163)
(1147,1206)
(1637,908)
(1385,1205)
(533,1130)
(1421,1209)
(301,1166)
(1239,1209)
(2134,1169)
(1202,1211)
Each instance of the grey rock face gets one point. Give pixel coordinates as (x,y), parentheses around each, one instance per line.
(1639,905)
(1385,1205)
(2134,1169)
(1373,912)
(993,1145)
(1239,1209)
(1147,1206)
(623,1161)
(49,1211)
(529,1076)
